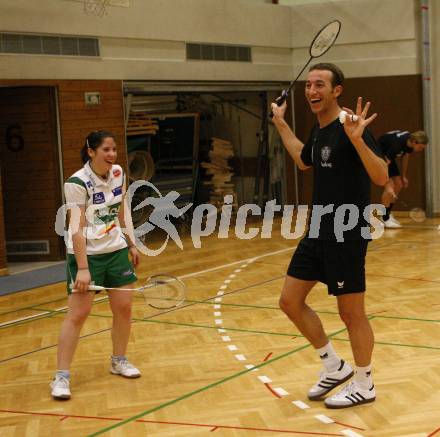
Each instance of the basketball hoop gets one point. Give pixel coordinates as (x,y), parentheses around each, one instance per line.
(95,7)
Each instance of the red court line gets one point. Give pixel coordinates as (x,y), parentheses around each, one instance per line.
(434,432)
(350,426)
(213,427)
(268,356)
(272,390)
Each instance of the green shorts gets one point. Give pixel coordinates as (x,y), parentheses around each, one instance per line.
(112,269)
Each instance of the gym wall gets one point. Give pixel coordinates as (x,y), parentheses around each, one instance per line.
(3,269)
(76,120)
(146,41)
(409,116)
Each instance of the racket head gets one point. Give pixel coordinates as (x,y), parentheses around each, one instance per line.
(163,291)
(325,38)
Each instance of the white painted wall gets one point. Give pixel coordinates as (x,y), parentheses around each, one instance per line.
(433,157)
(146,41)
(378,37)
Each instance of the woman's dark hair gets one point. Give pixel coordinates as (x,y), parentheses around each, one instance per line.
(93,141)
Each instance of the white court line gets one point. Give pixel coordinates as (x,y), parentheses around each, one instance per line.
(232,347)
(221,330)
(324,419)
(281,391)
(300,404)
(189,275)
(217,313)
(251,366)
(24,318)
(240,357)
(223,266)
(264,379)
(218,321)
(56,310)
(350,433)
(226,338)
(217,307)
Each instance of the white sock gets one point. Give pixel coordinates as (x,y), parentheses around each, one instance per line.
(63,373)
(363,378)
(329,357)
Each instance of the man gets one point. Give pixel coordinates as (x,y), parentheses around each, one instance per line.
(344,159)
(398,144)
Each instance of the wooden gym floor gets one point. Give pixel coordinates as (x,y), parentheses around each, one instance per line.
(195,381)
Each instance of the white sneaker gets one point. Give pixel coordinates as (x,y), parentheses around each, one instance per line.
(351,395)
(393,219)
(390,224)
(60,388)
(329,380)
(124,368)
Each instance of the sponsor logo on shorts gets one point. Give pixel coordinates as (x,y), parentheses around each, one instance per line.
(127,273)
(98,198)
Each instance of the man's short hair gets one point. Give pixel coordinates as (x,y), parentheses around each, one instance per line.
(419,137)
(337,74)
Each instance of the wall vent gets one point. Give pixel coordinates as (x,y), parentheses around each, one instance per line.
(23,43)
(35,247)
(216,52)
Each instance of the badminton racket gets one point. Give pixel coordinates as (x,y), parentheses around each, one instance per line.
(320,44)
(160,291)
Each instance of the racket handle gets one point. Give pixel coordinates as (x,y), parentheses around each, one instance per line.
(91,287)
(280,100)
(96,287)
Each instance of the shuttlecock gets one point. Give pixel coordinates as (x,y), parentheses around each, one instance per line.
(343,115)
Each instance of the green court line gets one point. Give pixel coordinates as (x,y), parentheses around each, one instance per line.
(193,325)
(52,313)
(199,390)
(282,334)
(32,306)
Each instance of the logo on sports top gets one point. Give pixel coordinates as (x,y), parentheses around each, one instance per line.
(98,198)
(117,191)
(340,284)
(89,184)
(116,173)
(325,156)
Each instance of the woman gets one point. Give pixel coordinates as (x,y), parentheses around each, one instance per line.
(100,239)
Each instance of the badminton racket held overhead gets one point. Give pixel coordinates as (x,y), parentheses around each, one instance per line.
(164,291)
(320,44)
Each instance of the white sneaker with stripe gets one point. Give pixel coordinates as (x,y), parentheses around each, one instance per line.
(350,396)
(60,387)
(329,380)
(124,368)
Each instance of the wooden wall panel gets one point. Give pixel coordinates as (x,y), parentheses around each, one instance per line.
(398,102)
(76,121)
(30,175)
(3,269)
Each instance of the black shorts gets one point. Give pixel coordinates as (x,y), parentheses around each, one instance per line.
(339,265)
(393,169)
